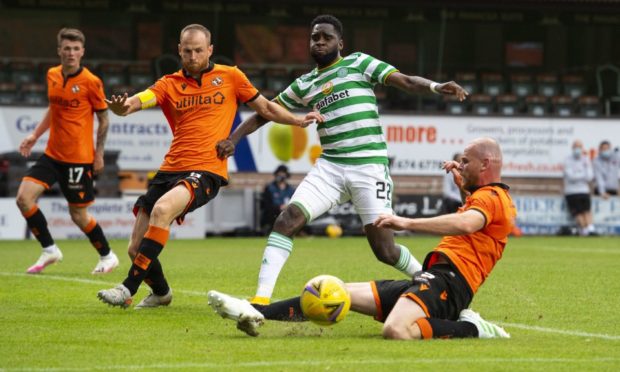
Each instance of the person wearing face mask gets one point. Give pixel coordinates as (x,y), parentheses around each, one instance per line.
(577,177)
(606,168)
(275,197)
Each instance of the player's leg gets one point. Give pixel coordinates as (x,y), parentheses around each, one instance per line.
(166,209)
(319,191)
(371,188)
(27,195)
(108,260)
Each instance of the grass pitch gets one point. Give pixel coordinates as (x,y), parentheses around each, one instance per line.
(558,297)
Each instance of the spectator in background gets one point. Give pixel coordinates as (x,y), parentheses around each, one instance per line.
(606,166)
(275,197)
(451,193)
(577,177)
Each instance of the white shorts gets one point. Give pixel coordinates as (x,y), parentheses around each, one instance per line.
(368,186)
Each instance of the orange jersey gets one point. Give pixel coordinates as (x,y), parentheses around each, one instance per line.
(201,114)
(474,255)
(72,104)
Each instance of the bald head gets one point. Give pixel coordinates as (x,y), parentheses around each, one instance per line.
(481,163)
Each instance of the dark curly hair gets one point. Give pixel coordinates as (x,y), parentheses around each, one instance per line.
(330,19)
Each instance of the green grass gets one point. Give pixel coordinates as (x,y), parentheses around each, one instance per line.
(558,297)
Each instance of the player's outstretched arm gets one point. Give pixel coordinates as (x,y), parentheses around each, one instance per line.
(25,147)
(124,105)
(274,112)
(417,84)
(464,223)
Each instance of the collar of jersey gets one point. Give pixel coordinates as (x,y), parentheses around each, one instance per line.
(209,68)
(73,74)
(497,184)
(329,66)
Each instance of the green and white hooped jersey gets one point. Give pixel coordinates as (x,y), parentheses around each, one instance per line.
(343,94)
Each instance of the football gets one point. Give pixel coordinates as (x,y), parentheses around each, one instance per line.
(333,231)
(325,300)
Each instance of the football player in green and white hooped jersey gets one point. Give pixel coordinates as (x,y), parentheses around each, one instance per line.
(354,163)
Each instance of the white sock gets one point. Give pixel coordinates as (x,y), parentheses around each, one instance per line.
(51,249)
(407,264)
(276,253)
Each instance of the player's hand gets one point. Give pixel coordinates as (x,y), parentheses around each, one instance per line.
(390,221)
(118,104)
(25,148)
(98,163)
(452,89)
(225,148)
(452,166)
(311,118)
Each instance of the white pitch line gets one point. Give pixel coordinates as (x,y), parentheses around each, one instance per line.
(87,281)
(303,363)
(560,331)
(201,294)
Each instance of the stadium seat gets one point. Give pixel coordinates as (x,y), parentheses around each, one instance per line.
(574,85)
(122,89)
(4,72)
(521,85)
(22,72)
(537,105)
(112,74)
(42,68)
(167,64)
(140,75)
(34,94)
(493,84)
(256,76)
(8,93)
(277,79)
(468,81)
(454,106)
(508,105)
(547,85)
(608,84)
(563,105)
(589,106)
(482,104)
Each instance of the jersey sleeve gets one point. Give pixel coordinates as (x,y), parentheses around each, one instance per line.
(374,70)
(160,90)
(244,89)
(291,97)
(96,95)
(486,202)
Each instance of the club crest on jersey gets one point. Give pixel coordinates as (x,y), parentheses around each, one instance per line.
(342,72)
(327,88)
(183,86)
(217,81)
(75,88)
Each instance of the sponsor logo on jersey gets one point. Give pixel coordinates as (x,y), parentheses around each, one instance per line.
(334,97)
(216,99)
(327,88)
(60,101)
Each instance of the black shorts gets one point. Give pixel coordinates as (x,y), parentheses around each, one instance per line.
(578,203)
(204,186)
(75,180)
(440,291)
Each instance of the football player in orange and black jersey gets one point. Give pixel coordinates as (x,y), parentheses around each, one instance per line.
(70,158)
(433,304)
(199,103)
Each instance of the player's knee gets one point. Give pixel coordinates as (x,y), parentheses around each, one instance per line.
(395,332)
(24,202)
(79,218)
(289,221)
(160,210)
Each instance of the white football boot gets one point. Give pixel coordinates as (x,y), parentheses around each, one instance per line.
(485,329)
(44,260)
(106,264)
(247,317)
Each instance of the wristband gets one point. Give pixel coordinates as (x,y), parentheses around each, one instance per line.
(433,87)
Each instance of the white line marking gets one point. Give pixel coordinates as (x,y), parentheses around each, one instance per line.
(560,331)
(575,250)
(281,363)
(87,281)
(203,294)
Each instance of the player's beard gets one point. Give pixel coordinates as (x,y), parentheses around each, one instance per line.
(323,60)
